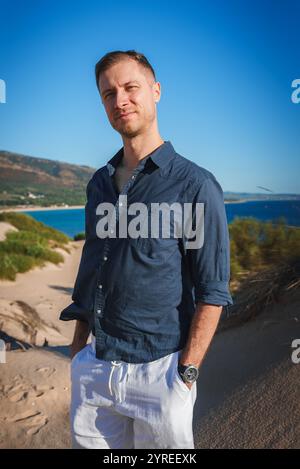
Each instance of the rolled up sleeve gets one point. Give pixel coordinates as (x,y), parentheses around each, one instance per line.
(209,265)
(73,311)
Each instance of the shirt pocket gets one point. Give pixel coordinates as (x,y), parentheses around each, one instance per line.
(158,239)
(155,249)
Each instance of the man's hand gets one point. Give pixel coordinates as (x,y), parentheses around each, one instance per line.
(189,385)
(80,337)
(74,349)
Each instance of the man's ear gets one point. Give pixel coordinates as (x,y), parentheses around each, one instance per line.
(157,91)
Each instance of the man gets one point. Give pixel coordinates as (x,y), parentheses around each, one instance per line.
(151,302)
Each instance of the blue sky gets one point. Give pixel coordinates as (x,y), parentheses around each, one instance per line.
(225,70)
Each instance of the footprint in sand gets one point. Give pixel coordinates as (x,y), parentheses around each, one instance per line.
(19,396)
(44,305)
(34,420)
(18,379)
(46,371)
(36,425)
(23,416)
(40,389)
(15,393)
(22,391)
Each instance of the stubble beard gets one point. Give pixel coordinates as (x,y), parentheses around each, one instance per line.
(129,131)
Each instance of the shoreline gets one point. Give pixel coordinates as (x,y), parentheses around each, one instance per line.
(36,208)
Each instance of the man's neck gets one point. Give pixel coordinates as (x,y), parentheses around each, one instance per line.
(137,148)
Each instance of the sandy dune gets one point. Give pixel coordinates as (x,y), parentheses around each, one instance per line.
(35,384)
(249,388)
(47,290)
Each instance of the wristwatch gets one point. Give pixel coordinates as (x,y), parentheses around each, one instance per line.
(189,373)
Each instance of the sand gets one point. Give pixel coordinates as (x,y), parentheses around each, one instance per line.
(35,384)
(34,396)
(5,228)
(47,289)
(249,388)
(247,392)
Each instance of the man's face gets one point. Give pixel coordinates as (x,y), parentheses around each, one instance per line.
(129,90)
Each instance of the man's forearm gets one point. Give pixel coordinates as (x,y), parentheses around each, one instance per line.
(201,332)
(81,334)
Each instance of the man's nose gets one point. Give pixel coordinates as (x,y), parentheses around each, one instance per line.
(121,99)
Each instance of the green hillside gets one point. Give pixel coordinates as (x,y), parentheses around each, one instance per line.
(37,181)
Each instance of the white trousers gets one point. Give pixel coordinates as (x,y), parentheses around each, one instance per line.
(115,404)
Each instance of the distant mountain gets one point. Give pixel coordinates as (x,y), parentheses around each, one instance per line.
(244,196)
(39,181)
(28,180)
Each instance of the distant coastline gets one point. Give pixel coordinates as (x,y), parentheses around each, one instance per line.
(72,207)
(33,208)
(36,208)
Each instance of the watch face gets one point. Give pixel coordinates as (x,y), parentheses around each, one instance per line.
(191,374)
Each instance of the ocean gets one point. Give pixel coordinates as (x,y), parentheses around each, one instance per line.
(71,221)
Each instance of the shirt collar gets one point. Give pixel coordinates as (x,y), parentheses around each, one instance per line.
(161,157)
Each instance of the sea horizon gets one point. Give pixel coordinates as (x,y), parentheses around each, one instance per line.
(70,220)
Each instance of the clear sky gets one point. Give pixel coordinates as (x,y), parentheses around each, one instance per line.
(225,69)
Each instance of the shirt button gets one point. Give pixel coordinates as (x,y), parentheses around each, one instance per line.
(132,177)
(105,258)
(99,311)
(100,286)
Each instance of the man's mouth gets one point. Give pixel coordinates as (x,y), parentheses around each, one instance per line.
(122,116)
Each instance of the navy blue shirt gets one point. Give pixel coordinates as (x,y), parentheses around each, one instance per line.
(138,295)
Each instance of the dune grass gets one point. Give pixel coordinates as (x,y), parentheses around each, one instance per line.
(31,246)
(265,263)
(256,246)
(79,236)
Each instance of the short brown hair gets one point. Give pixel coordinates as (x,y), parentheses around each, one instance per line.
(116,56)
